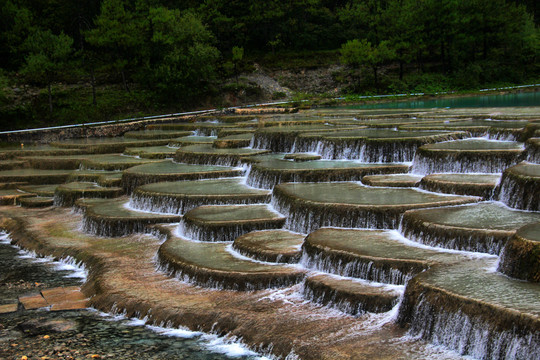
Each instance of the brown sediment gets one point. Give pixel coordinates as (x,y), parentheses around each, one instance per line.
(521,256)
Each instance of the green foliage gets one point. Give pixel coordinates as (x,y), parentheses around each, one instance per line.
(184,60)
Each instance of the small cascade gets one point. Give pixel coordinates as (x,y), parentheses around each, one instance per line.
(468,328)
(381,271)
(180,197)
(267,173)
(214,265)
(371,145)
(482,185)
(208,155)
(520,187)
(467,156)
(483,227)
(533,150)
(227,222)
(309,206)
(519,258)
(348,295)
(68,194)
(111,218)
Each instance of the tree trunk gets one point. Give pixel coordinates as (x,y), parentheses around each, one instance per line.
(125,82)
(93,83)
(50,97)
(400,70)
(375,76)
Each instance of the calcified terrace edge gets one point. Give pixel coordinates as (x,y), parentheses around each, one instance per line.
(115,285)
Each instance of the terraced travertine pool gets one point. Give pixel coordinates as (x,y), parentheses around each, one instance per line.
(336,234)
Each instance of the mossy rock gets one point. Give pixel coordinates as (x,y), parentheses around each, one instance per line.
(227,222)
(156,134)
(483,227)
(521,256)
(309,206)
(233,141)
(481,185)
(36,202)
(68,194)
(349,296)
(198,128)
(112,162)
(371,145)
(13,164)
(178,197)
(213,265)
(40,190)
(520,186)
(192,140)
(11,197)
(495,129)
(392,180)
(92,175)
(235,131)
(467,156)
(111,217)
(171,171)
(106,145)
(43,150)
(280,246)
(207,155)
(268,171)
(35,176)
(66,162)
(152,152)
(110,180)
(302,157)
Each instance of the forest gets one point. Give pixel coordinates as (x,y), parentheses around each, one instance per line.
(69,61)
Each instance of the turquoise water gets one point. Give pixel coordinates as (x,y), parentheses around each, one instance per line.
(517,99)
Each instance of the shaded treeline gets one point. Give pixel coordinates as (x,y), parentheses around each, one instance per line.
(177,51)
